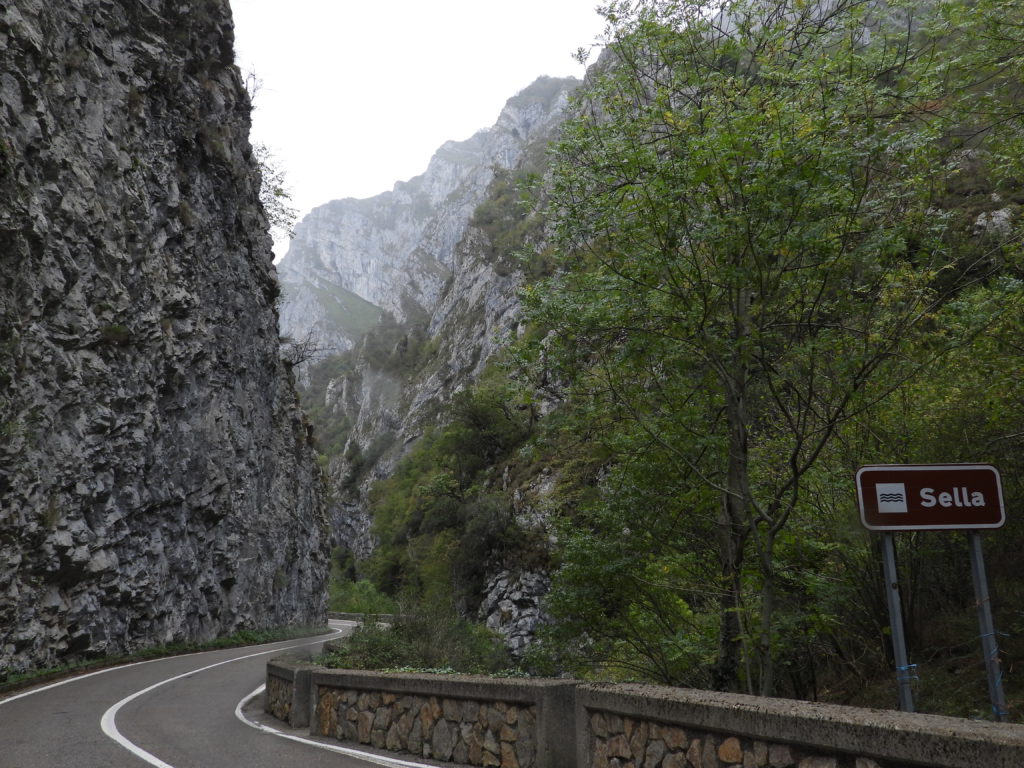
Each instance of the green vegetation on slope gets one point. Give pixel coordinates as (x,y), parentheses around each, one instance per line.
(439,519)
(753,268)
(766,273)
(351,594)
(427,636)
(349,313)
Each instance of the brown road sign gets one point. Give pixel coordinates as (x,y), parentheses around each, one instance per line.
(902,497)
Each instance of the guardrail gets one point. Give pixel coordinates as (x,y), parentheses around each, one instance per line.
(529,723)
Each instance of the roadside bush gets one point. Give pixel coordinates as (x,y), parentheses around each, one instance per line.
(348,593)
(358,597)
(426,636)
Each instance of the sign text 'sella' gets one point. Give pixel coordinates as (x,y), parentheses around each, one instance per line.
(930,496)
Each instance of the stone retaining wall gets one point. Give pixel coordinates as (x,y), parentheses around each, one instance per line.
(279,697)
(468,720)
(458,730)
(288,691)
(623,742)
(646,726)
(521,723)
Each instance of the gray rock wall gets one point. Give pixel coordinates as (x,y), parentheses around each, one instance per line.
(156,478)
(512,607)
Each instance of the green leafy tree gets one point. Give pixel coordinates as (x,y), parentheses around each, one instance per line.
(634,595)
(752,252)
(275,195)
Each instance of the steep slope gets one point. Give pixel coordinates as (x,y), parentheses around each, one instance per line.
(397,250)
(423,252)
(156,479)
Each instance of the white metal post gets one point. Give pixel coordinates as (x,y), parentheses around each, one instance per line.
(904,671)
(989,646)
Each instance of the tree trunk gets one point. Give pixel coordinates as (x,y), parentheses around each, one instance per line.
(732,536)
(725,674)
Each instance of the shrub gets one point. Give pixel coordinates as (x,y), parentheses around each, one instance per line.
(426,635)
(358,597)
(115,335)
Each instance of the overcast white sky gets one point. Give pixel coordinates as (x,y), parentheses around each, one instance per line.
(358,95)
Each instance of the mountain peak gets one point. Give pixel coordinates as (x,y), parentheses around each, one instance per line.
(394,250)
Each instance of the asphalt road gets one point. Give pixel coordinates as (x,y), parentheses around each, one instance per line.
(179,712)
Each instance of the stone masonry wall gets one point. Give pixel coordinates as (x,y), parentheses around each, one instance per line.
(648,726)
(279,697)
(463,731)
(533,723)
(624,742)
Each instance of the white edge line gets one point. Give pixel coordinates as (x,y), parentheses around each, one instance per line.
(367,756)
(75,678)
(108,721)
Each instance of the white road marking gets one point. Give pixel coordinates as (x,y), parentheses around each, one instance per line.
(108,721)
(393,762)
(77,678)
(335,624)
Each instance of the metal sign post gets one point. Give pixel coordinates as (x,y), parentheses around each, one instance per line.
(989,646)
(895,497)
(899,643)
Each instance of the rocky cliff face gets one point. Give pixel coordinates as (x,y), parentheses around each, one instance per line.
(398,250)
(418,253)
(156,478)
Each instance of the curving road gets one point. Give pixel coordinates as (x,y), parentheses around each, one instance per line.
(179,712)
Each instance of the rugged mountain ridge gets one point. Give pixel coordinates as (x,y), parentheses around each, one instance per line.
(448,296)
(398,251)
(156,477)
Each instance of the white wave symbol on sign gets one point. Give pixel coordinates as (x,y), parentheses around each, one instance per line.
(892,498)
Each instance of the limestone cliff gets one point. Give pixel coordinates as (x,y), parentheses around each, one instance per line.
(156,477)
(398,251)
(424,255)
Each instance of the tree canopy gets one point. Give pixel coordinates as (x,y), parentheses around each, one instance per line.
(755,253)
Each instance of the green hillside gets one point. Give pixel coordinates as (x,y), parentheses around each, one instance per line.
(764,253)
(349,314)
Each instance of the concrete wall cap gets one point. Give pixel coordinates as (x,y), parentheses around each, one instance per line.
(286,668)
(518,690)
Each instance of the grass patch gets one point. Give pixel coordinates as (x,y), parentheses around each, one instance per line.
(116,335)
(348,312)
